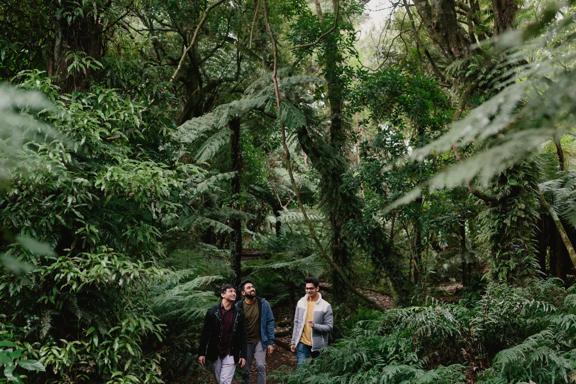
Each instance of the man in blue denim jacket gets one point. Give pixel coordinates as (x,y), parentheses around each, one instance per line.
(259,327)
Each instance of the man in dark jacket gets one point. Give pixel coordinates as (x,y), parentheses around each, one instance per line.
(259,325)
(223,337)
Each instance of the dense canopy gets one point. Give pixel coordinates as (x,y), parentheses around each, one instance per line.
(413,152)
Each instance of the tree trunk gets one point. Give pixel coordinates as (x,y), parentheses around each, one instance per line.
(236,222)
(560,154)
(337,203)
(78,35)
(504,14)
(439,18)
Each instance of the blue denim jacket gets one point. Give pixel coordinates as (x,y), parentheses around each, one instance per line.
(267,324)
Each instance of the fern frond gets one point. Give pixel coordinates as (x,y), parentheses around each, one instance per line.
(212,145)
(212,183)
(537,105)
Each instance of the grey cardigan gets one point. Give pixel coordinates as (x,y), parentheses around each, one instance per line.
(323,322)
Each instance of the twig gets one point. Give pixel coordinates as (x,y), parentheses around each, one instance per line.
(194,37)
(119,18)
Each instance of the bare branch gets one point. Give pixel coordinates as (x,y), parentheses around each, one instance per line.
(560,154)
(194,37)
(256,8)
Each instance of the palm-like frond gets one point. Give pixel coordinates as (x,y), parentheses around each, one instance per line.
(184,297)
(211,129)
(536,103)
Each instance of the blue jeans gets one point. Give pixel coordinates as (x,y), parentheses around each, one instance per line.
(304,352)
(258,353)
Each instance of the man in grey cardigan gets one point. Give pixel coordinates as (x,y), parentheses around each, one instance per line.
(313,322)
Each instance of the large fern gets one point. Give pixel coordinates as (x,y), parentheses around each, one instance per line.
(536,103)
(511,335)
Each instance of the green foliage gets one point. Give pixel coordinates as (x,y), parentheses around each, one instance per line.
(90,311)
(525,333)
(561,195)
(405,100)
(89,315)
(13,359)
(180,300)
(509,226)
(80,62)
(289,258)
(115,216)
(532,106)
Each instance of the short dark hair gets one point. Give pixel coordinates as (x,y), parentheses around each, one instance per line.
(225,287)
(313,280)
(243,284)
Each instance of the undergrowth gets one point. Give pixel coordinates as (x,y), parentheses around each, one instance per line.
(511,335)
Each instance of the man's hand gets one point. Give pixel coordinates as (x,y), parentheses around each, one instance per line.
(202,360)
(311,323)
(292,348)
(270,349)
(242,362)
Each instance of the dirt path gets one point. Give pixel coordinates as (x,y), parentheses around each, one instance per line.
(281,359)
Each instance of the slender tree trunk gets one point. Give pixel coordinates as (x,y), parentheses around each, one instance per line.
(561,230)
(504,14)
(236,152)
(418,243)
(464,253)
(338,214)
(560,154)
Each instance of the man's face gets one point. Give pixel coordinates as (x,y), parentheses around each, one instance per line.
(229,295)
(249,290)
(311,290)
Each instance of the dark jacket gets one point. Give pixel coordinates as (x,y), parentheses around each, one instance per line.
(266,319)
(210,337)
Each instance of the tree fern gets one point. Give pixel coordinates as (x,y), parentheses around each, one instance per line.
(561,195)
(533,106)
(211,132)
(185,301)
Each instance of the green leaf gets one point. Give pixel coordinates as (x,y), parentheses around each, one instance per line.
(32,365)
(35,246)
(9,373)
